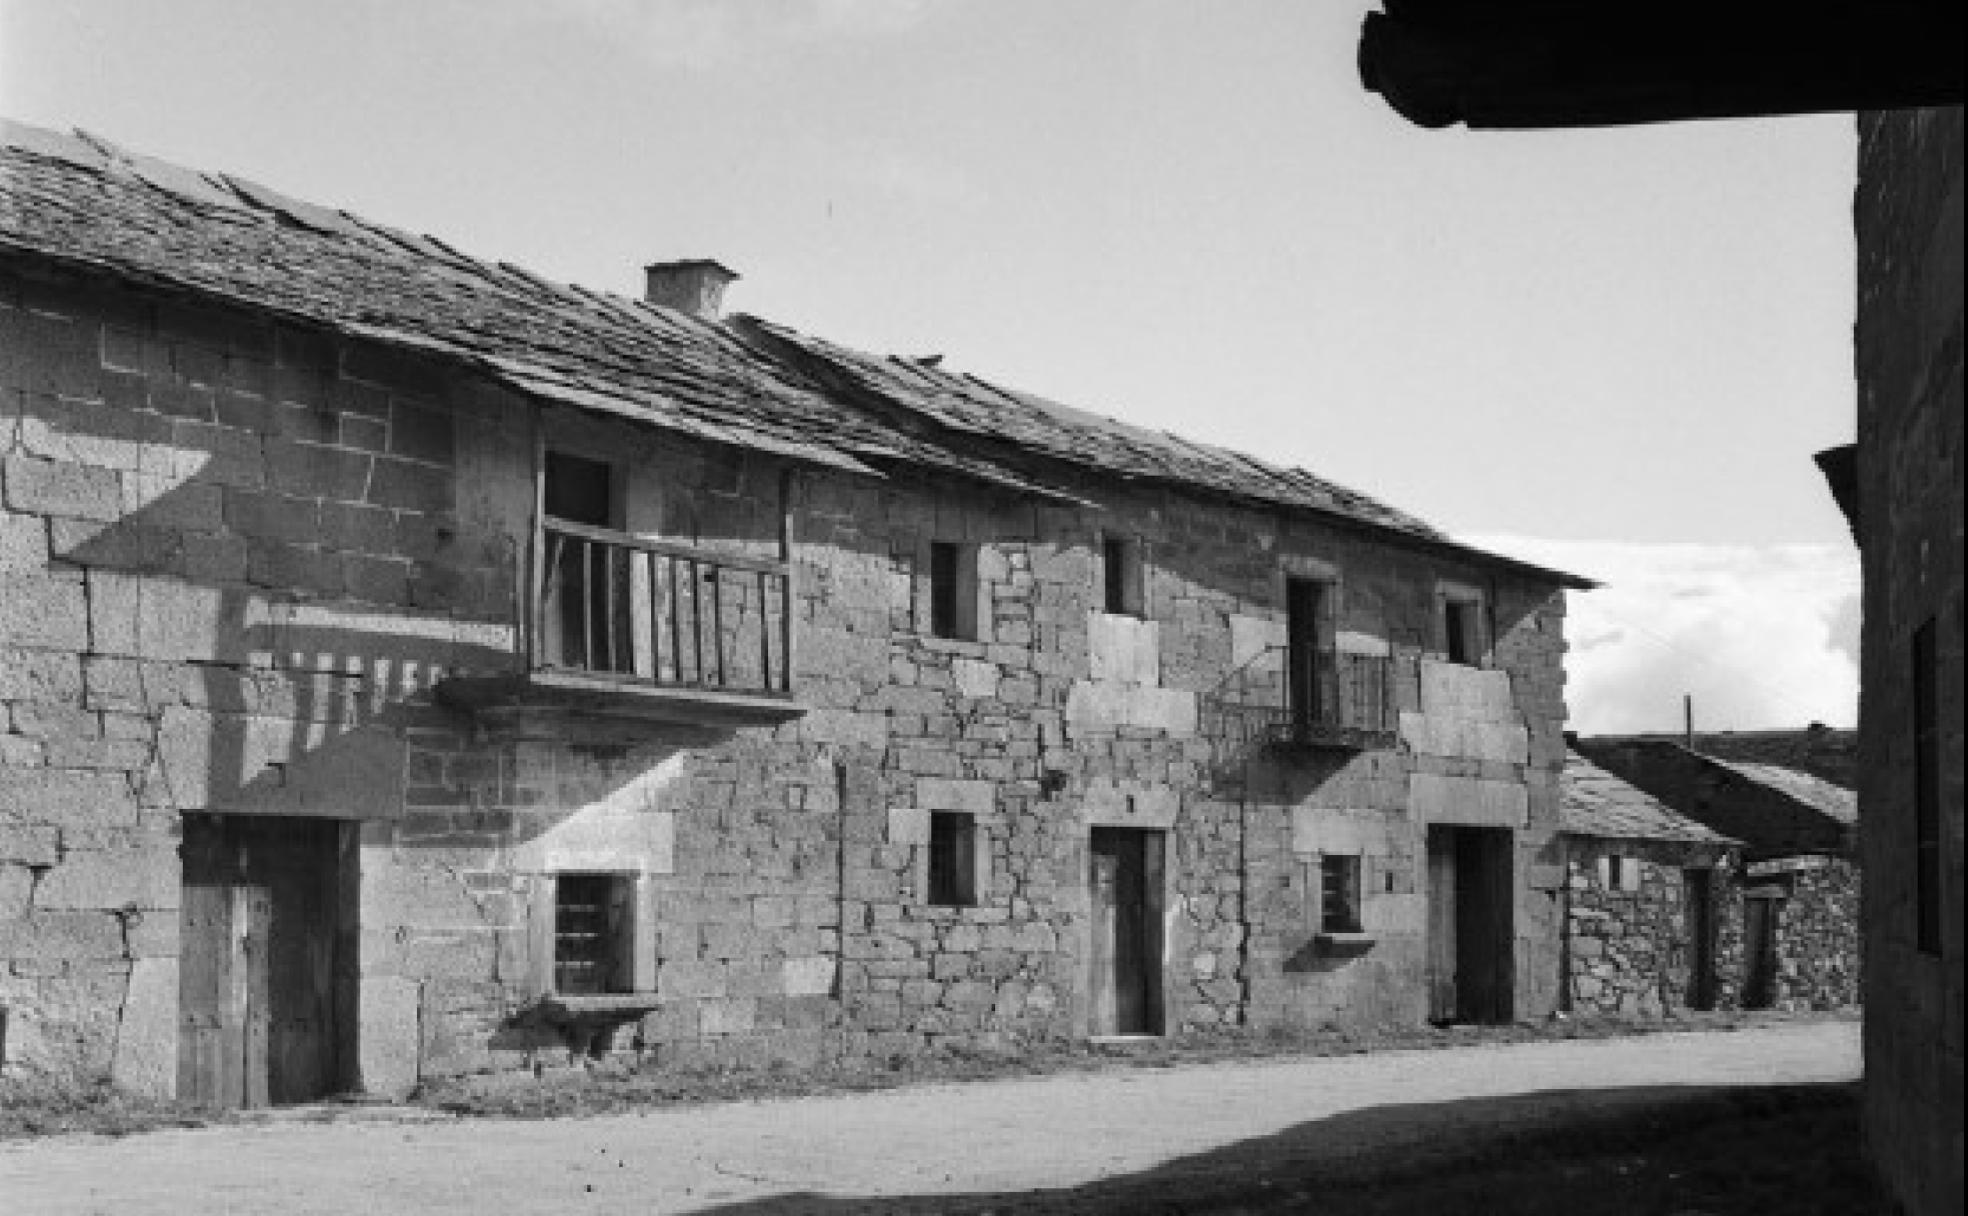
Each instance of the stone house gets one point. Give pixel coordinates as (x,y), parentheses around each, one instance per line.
(1650,925)
(1787,918)
(412,667)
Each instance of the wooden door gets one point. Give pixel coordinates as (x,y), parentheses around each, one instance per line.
(1485,899)
(1442,1003)
(1126,979)
(1470,903)
(1759,951)
(1698,906)
(258,966)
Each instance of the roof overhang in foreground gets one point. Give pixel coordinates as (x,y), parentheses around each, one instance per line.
(1584,63)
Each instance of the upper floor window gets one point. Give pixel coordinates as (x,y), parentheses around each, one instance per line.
(586,580)
(1122,576)
(1307,651)
(1463,634)
(952,590)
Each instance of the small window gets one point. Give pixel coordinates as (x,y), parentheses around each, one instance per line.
(1621,873)
(1122,575)
(952,859)
(593,927)
(1339,893)
(952,590)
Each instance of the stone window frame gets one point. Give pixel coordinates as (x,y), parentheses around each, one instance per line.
(914,827)
(1471,606)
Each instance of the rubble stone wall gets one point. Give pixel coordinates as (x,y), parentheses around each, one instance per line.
(1629,940)
(1629,950)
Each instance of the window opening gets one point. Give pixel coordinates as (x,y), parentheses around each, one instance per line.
(587,618)
(591,931)
(1459,619)
(1339,893)
(1121,571)
(952,859)
(1307,660)
(952,590)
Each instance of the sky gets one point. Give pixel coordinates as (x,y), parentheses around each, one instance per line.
(1616,348)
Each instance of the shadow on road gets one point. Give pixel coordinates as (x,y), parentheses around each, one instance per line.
(1710,1150)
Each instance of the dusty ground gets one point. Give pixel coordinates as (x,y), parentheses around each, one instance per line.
(1248,1136)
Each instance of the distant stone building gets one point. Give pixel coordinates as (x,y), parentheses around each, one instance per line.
(1649,902)
(411,667)
(1786,920)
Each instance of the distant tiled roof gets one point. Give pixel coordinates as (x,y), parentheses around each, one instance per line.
(1593,802)
(87,203)
(1834,801)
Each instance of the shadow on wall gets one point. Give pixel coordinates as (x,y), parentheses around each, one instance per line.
(272,699)
(1444,1156)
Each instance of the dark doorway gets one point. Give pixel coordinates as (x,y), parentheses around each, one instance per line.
(265,1001)
(1306,662)
(1469,924)
(1698,906)
(1760,916)
(1126,981)
(587,576)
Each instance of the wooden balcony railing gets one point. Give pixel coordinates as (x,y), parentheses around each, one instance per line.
(1306,698)
(619,608)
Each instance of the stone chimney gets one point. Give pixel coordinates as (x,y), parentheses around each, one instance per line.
(695,286)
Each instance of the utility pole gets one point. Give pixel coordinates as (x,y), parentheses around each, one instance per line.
(1688,720)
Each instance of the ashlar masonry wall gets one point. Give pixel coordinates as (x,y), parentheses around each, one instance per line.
(242,555)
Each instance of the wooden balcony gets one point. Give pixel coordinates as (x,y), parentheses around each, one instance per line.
(638,630)
(1314,699)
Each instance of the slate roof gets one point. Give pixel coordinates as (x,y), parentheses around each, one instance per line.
(1776,811)
(84,202)
(1593,802)
(1830,800)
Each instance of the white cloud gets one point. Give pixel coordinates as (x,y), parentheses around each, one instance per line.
(1760,636)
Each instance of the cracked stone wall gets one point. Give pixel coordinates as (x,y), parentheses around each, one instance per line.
(243,554)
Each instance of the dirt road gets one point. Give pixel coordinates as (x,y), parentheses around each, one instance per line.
(908,1147)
